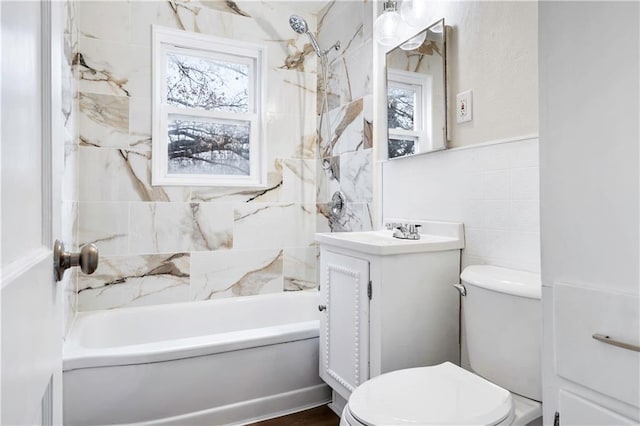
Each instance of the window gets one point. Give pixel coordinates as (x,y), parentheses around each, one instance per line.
(208,111)
(407,108)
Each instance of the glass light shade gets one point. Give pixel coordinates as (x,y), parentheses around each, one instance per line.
(387,28)
(415,42)
(413,12)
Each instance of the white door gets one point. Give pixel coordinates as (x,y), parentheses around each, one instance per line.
(344,325)
(30,158)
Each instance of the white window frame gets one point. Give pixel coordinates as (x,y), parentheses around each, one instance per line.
(166,41)
(421,84)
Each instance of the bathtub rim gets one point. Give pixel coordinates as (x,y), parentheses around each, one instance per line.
(76,355)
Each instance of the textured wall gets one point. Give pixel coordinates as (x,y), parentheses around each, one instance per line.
(345,160)
(173,244)
(494,52)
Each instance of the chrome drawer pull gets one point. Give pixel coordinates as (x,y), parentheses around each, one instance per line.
(609,341)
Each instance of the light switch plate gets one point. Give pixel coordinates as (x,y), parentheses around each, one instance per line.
(464,106)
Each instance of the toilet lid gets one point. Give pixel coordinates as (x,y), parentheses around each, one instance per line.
(444,394)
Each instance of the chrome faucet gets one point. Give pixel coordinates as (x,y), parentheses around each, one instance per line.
(404,231)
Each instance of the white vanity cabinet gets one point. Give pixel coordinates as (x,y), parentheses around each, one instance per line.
(386,304)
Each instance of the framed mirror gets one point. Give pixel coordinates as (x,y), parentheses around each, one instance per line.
(416,94)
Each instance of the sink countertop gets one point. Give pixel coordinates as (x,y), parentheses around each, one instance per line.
(383,243)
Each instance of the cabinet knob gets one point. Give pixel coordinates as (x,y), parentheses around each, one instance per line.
(322,308)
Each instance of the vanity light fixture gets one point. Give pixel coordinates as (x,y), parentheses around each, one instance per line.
(388,26)
(413,12)
(415,42)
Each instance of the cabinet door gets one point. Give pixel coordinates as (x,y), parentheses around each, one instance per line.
(344,325)
(578,314)
(577,411)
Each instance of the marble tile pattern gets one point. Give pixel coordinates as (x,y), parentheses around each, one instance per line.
(218,274)
(174,244)
(135,280)
(345,159)
(69,190)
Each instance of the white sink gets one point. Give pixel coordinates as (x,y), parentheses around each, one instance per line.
(434,236)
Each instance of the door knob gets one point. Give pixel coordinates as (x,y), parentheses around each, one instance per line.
(322,308)
(87,259)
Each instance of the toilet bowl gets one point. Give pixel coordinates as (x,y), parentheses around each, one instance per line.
(446,394)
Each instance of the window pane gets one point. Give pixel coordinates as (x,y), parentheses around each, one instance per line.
(400,108)
(209,84)
(207,147)
(401,147)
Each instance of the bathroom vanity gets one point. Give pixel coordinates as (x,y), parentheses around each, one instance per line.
(387,303)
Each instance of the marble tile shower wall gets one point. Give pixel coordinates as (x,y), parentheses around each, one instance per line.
(69,96)
(345,159)
(175,244)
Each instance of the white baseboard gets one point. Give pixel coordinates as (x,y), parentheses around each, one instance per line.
(251,411)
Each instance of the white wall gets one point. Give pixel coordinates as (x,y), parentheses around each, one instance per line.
(589,120)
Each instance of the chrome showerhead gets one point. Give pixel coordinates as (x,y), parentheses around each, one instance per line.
(298,24)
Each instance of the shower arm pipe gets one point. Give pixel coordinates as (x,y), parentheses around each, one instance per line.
(316,46)
(336,46)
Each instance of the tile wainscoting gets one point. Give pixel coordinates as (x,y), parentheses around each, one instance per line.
(493,189)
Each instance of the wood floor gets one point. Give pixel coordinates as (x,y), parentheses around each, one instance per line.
(320,416)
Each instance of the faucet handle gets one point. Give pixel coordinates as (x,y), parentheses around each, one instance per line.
(414,231)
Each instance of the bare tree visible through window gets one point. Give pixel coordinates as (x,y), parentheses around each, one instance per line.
(400,115)
(400,108)
(201,145)
(208,148)
(401,147)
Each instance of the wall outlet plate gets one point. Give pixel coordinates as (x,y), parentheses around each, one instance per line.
(464,106)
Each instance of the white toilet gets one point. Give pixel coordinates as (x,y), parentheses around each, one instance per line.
(501,316)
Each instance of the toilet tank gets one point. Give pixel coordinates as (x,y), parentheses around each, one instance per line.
(502,321)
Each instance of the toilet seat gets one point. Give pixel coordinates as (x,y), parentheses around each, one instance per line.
(444,394)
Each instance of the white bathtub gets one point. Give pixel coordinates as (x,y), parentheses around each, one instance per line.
(228,361)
